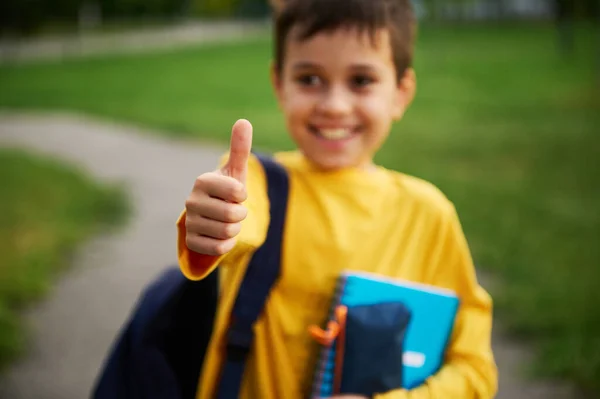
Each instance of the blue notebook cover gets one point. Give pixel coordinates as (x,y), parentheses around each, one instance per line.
(433,312)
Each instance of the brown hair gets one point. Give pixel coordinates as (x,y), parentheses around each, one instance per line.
(317,16)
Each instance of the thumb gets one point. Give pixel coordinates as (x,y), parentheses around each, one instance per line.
(239,150)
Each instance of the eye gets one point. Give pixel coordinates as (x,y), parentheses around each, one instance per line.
(361,81)
(309,80)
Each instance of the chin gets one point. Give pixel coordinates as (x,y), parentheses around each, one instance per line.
(329,163)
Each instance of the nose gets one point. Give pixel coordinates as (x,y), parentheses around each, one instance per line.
(335,101)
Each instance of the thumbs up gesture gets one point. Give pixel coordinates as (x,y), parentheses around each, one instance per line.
(214,209)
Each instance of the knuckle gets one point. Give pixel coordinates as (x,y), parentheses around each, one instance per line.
(233,192)
(211,250)
(192,204)
(240,194)
(189,224)
(200,182)
(242,213)
(227,189)
(189,203)
(230,213)
(244,194)
(222,247)
(197,244)
(192,220)
(203,181)
(190,242)
(230,230)
(219,249)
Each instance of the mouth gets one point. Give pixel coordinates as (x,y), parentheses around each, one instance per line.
(333,134)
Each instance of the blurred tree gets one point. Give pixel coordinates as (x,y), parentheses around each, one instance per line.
(253,8)
(20,16)
(439,10)
(214,8)
(499,7)
(433,8)
(29,16)
(141,8)
(595,11)
(90,15)
(231,8)
(564,16)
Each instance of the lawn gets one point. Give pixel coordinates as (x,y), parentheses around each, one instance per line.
(502,123)
(48,208)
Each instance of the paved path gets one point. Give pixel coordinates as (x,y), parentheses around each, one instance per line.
(74,327)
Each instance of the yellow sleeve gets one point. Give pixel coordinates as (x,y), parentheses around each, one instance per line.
(469,371)
(196,266)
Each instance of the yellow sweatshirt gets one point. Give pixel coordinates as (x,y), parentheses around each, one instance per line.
(375,220)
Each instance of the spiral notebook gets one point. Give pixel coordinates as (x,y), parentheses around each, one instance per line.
(432,314)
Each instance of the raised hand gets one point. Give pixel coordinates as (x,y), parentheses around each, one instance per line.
(214,209)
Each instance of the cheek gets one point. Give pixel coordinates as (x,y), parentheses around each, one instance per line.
(297,105)
(376,110)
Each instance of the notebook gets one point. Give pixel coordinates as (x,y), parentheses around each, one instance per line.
(432,314)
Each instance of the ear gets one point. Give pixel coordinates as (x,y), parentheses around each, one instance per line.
(276,81)
(405,92)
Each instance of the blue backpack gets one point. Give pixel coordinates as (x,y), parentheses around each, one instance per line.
(160,350)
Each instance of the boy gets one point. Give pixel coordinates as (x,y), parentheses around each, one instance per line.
(342,75)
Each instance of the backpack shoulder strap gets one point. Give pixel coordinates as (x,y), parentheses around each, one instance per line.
(261,274)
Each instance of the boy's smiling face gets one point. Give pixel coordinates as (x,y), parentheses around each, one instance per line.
(339,94)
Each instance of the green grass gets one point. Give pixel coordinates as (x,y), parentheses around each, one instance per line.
(506,127)
(47,210)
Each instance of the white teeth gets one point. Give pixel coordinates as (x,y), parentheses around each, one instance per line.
(335,134)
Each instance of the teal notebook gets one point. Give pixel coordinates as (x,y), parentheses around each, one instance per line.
(398,317)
